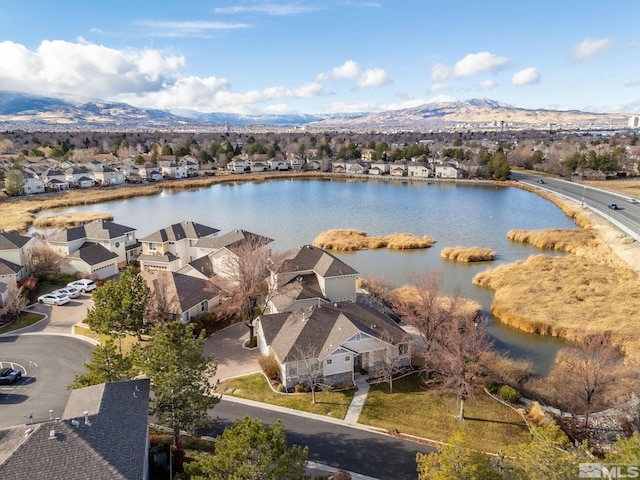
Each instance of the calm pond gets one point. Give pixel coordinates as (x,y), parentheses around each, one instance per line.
(294,212)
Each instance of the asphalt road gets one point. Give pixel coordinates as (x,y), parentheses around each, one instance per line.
(353,449)
(48,364)
(627,216)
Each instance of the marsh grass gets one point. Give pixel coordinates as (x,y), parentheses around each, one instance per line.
(350,240)
(571,297)
(66,220)
(255,387)
(468,254)
(411,294)
(569,241)
(415,410)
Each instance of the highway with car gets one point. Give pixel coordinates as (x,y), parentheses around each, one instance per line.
(625,215)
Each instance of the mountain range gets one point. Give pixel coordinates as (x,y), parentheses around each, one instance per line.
(31,112)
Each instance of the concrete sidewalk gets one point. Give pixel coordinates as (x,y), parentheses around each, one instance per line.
(353,413)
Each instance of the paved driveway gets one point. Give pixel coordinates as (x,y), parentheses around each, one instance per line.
(60,318)
(233,359)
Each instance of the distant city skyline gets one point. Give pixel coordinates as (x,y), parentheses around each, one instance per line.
(329,56)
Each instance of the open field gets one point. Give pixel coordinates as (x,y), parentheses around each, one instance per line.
(350,240)
(415,410)
(468,254)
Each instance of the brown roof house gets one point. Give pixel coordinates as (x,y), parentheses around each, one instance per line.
(102,435)
(309,275)
(182,297)
(335,339)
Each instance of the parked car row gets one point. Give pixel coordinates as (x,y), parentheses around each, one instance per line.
(64,295)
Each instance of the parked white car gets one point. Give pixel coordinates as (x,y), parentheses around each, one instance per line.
(84,285)
(53,299)
(71,292)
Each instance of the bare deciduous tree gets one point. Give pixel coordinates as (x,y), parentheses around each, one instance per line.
(310,369)
(44,260)
(585,374)
(16,301)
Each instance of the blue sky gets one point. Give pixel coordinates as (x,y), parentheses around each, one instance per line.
(324,56)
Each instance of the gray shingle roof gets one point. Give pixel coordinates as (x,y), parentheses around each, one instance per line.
(95,230)
(93,253)
(309,258)
(233,240)
(181,292)
(302,287)
(180,231)
(320,330)
(111,446)
(8,268)
(11,241)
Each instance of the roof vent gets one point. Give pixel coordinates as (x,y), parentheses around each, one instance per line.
(52,434)
(86,418)
(335,304)
(75,423)
(28,431)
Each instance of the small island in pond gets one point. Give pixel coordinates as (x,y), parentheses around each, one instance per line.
(468,254)
(350,240)
(68,220)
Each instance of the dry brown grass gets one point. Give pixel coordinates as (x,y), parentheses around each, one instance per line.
(570,297)
(570,241)
(409,293)
(66,220)
(468,254)
(351,240)
(630,186)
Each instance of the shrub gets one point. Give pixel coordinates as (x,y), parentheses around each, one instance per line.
(509,394)
(269,365)
(280,388)
(492,387)
(300,388)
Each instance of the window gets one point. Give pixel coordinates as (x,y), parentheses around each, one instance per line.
(347,358)
(203,306)
(153,247)
(403,349)
(329,361)
(292,370)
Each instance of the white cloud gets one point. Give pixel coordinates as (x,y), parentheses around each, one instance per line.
(269,9)
(363,4)
(471,65)
(350,70)
(487,85)
(527,76)
(589,48)
(188,28)
(84,69)
(438,87)
(375,77)
(440,99)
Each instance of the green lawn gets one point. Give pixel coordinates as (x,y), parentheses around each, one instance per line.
(25,319)
(255,387)
(415,410)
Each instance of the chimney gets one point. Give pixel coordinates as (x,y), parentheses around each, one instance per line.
(86,418)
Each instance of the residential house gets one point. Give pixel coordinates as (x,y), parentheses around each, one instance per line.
(339,167)
(95,165)
(295,163)
(308,275)
(150,173)
(419,170)
(78,177)
(86,182)
(32,185)
(277,164)
(366,154)
(173,247)
(258,166)
(55,180)
(172,170)
(103,433)
(224,251)
(91,259)
(447,170)
(114,237)
(184,297)
(336,339)
(357,167)
(191,165)
(109,176)
(379,168)
(14,257)
(398,170)
(314,165)
(237,165)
